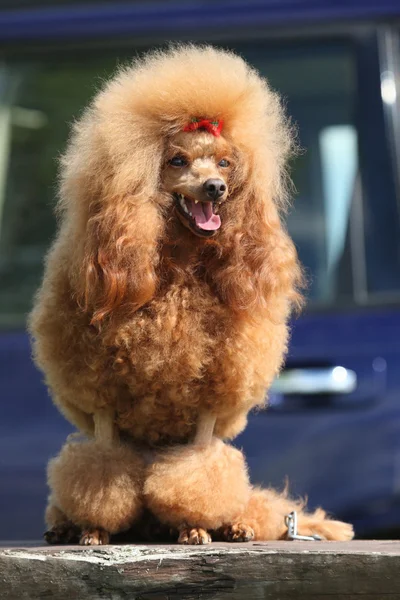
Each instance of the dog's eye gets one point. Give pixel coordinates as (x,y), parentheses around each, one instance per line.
(178,161)
(224,163)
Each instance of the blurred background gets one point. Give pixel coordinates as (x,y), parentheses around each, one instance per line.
(333,426)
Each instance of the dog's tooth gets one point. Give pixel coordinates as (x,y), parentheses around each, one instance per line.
(182,202)
(190,214)
(196,201)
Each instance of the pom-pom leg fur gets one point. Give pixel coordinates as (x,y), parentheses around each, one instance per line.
(197,488)
(96,488)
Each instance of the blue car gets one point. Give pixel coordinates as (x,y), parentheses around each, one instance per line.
(333,423)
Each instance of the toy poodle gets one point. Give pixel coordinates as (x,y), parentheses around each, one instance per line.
(162,317)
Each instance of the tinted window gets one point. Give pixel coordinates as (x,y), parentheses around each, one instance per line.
(38,103)
(345,219)
(320,91)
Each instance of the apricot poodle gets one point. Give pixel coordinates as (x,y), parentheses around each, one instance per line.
(162,317)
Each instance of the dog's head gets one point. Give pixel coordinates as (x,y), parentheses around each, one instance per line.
(191,137)
(197,173)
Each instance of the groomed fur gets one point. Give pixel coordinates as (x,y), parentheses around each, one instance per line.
(134,311)
(138,315)
(95,486)
(199,486)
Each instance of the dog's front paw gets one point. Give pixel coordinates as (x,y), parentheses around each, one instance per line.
(238,532)
(66,533)
(94,537)
(194,536)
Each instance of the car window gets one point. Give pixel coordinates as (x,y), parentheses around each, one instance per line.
(38,102)
(344,221)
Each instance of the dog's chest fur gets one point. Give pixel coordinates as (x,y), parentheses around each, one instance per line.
(167,355)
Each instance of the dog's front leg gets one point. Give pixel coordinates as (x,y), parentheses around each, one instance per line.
(198,487)
(97,483)
(105,429)
(205,429)
(106,434)
(195,536)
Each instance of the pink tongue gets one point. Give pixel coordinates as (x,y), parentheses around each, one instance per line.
(203,215)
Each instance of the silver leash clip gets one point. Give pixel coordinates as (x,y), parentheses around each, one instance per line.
(291,524)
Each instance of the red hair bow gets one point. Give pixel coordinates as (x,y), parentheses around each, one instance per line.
(214,127)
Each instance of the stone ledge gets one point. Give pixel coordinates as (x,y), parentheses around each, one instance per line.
(358,570)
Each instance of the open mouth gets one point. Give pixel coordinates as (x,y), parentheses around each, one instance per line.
(200,216)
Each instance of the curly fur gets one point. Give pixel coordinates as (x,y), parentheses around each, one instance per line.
(117,324)
(138,315)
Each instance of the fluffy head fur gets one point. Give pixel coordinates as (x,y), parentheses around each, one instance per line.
(113,193)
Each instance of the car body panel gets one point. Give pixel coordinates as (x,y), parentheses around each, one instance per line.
(169,18)
(340,451)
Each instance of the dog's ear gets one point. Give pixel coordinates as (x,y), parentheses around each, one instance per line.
(120,256)
(114,212)
(256,270)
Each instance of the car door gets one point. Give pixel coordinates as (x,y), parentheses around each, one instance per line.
(332,427)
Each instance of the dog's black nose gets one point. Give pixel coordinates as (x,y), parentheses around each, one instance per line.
(214,188)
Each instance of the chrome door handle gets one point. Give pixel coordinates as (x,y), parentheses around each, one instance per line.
(316,380)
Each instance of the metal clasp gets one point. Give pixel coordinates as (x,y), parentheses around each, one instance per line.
(291,524)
